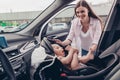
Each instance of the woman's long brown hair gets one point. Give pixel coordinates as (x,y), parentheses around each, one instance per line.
(91,12)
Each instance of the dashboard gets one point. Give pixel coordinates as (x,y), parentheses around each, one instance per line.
(19,57)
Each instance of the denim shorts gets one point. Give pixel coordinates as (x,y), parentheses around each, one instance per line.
(84,52)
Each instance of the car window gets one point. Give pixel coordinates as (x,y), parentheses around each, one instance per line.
(61,21)
(15,15)
(65,16)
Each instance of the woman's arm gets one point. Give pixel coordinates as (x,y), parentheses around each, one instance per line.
(70,36)
(90,54)
(63,43)
(95,41)
(97,32)
(93,48)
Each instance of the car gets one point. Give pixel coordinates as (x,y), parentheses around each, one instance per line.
(20,27)
(16,57)
(9,28)
(57,27)
(1,29)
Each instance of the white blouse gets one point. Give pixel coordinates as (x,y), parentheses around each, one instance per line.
(93,34)
(86,39)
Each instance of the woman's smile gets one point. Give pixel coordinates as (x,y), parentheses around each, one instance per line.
(82,13)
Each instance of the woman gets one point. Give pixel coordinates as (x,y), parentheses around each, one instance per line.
(85,31)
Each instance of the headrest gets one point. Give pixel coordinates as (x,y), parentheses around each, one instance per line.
(47,45)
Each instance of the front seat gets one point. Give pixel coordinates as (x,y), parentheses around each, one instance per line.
(114,74)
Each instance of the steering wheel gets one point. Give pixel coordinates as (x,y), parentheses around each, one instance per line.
(7,65)
(47,45)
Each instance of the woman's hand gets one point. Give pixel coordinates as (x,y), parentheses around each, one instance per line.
(63,43)
(93,47)
(58,41)
(86,58)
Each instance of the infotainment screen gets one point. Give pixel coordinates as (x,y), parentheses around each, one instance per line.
(3,42)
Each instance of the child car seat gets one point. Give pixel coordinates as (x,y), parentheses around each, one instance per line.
(88,73)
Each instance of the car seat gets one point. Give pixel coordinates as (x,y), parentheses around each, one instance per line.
(114,74)
(90,72)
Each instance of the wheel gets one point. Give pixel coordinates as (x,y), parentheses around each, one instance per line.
(7,66)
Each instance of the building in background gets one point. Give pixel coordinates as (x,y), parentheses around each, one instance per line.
(16,18)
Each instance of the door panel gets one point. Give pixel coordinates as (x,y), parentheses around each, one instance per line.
(62,36)
(59,26)
(16,39)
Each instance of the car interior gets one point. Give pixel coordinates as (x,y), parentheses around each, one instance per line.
(16,51)
(114,74)
(90,72)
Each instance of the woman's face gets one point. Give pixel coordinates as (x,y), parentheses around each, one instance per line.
(82,13)
(58,50)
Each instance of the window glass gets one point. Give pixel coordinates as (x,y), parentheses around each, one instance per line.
(17,14)
(63,19)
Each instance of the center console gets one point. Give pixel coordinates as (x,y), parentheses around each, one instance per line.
(19,57)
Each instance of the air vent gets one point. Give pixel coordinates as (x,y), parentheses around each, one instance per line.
(13,53)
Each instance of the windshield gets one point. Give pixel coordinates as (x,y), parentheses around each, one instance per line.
(15,15)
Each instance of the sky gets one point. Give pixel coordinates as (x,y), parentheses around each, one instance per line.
(22,5)
(29,5)
(97,1)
